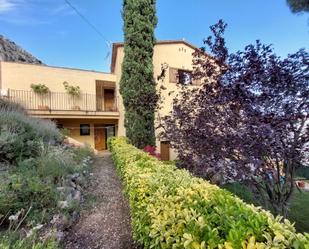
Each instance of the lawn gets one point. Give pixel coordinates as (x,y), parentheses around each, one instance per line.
(299,208)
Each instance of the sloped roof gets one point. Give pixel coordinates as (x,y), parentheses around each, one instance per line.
(163,42)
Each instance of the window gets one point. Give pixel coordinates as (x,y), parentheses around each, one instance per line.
(183,77)
(59,126)
(84,129)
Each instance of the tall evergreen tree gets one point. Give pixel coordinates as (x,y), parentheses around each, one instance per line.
(299,5)
(137,84)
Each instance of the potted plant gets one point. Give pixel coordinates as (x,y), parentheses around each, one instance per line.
(41,90)
(74,92)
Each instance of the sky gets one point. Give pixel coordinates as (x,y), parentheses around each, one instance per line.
(53,32)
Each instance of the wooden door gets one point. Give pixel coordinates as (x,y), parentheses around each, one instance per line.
(165,150)
(109,98)
(99,137)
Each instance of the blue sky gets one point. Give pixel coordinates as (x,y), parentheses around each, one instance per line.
(52,32)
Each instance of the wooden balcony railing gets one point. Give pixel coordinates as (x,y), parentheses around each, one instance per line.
(56,101)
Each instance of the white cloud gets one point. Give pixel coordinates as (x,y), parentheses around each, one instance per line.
(7,5)
(62,10)
(25,12)
(22,13)
(24,21)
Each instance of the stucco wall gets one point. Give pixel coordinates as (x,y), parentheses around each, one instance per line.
(73,125)
(118,68)
(176,55)
(20,76)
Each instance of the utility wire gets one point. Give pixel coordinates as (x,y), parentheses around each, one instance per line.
(108,43)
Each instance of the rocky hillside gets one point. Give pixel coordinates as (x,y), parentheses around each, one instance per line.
(9,51)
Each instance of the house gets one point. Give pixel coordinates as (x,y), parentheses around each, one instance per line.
(98,112)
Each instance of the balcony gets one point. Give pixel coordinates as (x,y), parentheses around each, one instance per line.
(62,104)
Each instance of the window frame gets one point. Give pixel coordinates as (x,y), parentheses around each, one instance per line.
(174,77)
(83,132)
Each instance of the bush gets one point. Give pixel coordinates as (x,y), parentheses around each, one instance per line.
(12,241)
(302,172)
(39,164)
(8,106)
(54,163)
(33,181)
(24,188)
(243,192)
(83,153)
(22,136)
(172,209)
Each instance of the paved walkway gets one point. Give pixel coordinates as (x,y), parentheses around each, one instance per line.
(106,224)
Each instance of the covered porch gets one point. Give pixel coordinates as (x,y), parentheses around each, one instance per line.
(93,132)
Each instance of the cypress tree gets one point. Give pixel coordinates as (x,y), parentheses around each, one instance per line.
(137,84)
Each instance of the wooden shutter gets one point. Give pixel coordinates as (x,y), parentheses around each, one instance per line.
(173,75)
(108,85)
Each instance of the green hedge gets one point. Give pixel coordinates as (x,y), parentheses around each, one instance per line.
(303,172)
(172,209)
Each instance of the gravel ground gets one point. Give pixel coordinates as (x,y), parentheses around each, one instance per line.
(106,224)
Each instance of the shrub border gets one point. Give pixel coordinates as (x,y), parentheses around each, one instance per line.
(170,208)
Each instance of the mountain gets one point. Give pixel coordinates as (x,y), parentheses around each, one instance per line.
(9,51)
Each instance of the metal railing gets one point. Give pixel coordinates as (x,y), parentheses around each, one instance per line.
(57,101)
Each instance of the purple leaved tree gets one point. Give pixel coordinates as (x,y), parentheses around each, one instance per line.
(249,119)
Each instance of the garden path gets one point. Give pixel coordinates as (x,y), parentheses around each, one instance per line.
(105,223)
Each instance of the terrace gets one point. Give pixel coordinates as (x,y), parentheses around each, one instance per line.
(62,104)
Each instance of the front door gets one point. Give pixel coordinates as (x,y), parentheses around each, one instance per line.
(99,137)
(165,150)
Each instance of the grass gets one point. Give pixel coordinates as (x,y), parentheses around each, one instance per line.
(299,206)
(299,210)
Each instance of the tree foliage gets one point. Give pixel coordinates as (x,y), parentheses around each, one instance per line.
(298,5)
(249,120)
(137,85)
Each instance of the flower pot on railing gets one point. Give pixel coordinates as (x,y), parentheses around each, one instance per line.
(74,92)
(43,107)
(42,91)
(75,108)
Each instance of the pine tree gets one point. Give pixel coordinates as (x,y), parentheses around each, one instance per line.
(137,84)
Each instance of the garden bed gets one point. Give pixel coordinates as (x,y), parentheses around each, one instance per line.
(41,180)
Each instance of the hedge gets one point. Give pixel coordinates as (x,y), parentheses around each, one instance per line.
(303,171)
(170,208)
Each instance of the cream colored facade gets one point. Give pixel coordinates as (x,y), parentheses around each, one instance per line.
(16,79)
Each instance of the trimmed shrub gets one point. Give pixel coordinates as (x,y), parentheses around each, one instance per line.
(170,208)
